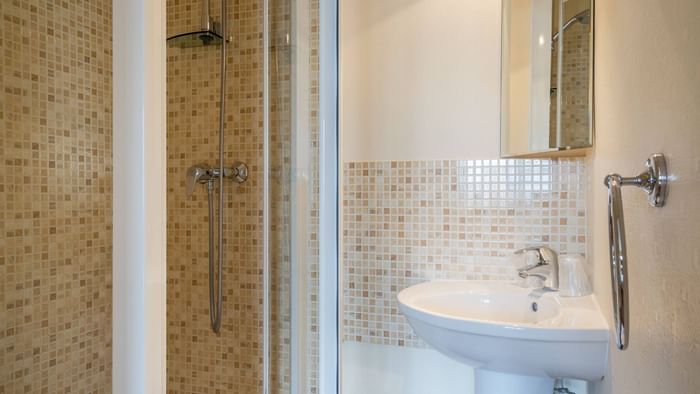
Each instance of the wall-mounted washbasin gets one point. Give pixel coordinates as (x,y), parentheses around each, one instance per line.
(500,328)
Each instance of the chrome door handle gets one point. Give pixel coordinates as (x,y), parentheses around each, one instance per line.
(655,182)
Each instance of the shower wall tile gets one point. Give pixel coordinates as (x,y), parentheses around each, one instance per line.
(406,222)
(575,82)
(55,196)
(313,201)
(198,360)
(280,150)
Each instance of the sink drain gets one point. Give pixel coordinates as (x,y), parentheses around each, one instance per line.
(534,307)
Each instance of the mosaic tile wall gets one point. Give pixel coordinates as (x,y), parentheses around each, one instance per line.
(312,264)
(55,196)
(198,360)
(280,195)
(405,222)
(575,87)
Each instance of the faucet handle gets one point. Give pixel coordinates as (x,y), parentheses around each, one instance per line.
(545,255)
(529,249)
(542,250)
(194,176)
(547,260)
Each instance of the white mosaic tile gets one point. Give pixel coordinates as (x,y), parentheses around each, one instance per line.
(408,222)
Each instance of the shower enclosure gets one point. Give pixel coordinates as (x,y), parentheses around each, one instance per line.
(242,99)
(160,200)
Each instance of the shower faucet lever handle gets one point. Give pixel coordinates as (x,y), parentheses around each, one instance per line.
(196,174)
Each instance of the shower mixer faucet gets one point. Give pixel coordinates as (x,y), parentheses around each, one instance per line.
(203,174)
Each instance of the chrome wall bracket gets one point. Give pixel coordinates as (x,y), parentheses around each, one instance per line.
(655,182)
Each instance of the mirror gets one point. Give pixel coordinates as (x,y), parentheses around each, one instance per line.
(546,77)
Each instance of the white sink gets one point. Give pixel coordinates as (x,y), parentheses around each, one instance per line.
(494,327)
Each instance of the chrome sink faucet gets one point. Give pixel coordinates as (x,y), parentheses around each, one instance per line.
(546,268)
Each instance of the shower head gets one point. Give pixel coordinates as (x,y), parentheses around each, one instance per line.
(583,17)
(206,38)
(208,34)
(209,26)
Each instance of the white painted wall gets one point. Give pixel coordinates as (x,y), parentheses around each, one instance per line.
(139,265)
(420,79)
(647,98)
(381,369)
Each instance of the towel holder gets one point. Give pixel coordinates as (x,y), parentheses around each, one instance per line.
(655,182)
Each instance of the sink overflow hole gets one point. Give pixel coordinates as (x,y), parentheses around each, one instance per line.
(534,307)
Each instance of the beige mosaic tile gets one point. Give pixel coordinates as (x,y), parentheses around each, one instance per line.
(312,264)
(575,88)
(407,222)
(55,196)
(198,360)
(280,105)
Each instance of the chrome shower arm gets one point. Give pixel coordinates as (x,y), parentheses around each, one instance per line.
(206,16)
(583,17)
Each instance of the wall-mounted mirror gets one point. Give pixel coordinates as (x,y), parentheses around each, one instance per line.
(546,76)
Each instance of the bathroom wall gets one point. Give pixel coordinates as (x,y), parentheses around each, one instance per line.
(425,195)
(405,222)
(647,93)
(417,74)
(199,360)
(55,196)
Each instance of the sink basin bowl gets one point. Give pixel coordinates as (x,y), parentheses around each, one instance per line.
(505,328)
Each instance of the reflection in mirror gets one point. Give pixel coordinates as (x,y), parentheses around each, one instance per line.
(547,73)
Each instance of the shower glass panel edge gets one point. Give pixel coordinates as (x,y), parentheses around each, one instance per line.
(301,185)
(329,258)
(300,237)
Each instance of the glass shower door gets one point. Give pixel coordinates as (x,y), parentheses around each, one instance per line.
(292,225)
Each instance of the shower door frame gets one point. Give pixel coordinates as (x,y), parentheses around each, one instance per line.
(329,199)
(329,195)
(139,193)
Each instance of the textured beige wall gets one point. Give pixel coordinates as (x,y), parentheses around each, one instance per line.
(647,98)
(55,196)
